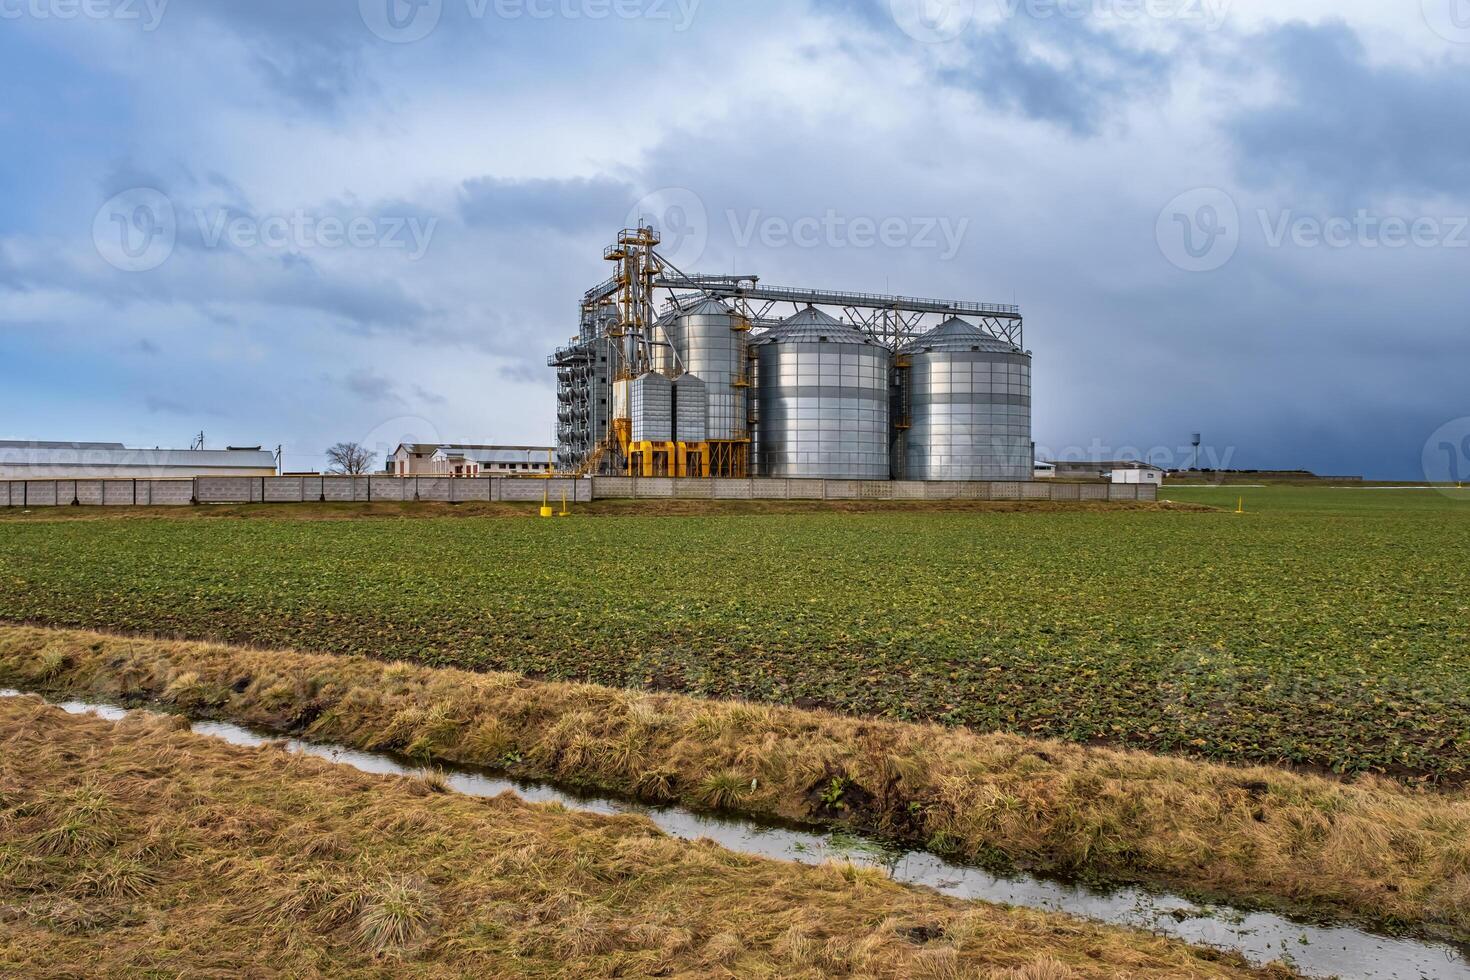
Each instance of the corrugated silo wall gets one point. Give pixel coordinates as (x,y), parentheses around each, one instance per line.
(969,416)
(823,411)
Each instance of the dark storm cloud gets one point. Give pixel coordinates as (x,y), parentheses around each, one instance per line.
(1099,73)
(371,387)
(1100,70)
(311,53)
(1350,128)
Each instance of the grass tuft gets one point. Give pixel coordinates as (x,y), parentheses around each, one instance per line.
(723,790)
(392,916)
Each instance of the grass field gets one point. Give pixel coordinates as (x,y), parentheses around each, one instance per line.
(135,849)
(1324,627)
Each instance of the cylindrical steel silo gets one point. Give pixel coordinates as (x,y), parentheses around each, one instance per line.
(968,407)
(822,400)
(665,356)
(712,346)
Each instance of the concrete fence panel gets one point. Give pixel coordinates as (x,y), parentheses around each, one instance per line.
(730,489)
(224,489)
(612,487)
(306,489)
(285,490)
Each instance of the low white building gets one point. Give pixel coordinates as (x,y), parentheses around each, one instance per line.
(35,460)
(1042,470)
(425,459)
(1138,473)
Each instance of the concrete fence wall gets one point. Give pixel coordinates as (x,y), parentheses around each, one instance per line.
(625,487)
(362,489)
(283,490)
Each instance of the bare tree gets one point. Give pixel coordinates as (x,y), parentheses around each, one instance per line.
(350,459)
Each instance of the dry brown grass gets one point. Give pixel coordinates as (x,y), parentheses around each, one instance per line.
(190,857)
(1370,850)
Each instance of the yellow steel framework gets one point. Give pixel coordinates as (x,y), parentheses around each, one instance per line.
(729,458)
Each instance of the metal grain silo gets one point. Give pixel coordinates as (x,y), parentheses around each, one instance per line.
(713,343)
(965,411)
(664,354)
(822,398)
(651,408)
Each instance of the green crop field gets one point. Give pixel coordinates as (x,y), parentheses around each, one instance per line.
(1323,627)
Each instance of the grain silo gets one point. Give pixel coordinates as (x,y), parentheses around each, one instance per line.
(712,342)
(822,400)
(963,408)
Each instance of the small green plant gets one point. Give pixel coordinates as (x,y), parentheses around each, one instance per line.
(832,795)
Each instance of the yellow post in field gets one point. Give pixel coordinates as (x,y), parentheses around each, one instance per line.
(1240,506)
(546,510)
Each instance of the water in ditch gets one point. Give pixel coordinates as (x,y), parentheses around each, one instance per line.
(1319,951)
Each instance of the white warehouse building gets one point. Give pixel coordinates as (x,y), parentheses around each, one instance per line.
(33,460)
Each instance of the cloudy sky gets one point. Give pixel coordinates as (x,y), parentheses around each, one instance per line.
(305,221)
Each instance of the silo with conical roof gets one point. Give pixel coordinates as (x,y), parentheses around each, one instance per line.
(712,341)
(966,412)
(822,400)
